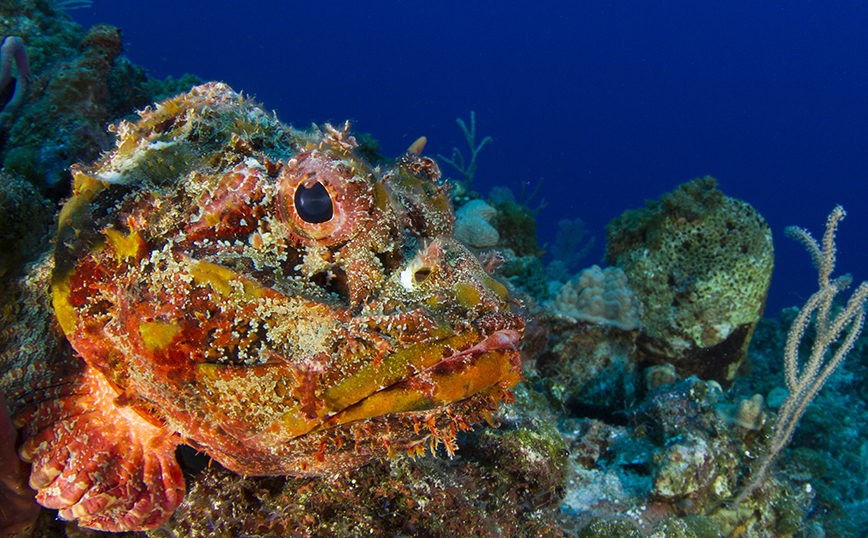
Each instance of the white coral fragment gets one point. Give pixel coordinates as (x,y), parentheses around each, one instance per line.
(472,224)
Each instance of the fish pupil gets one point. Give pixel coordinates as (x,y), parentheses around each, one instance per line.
(313,204)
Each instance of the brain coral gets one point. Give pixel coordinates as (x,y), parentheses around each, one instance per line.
(599,296)
(700,263)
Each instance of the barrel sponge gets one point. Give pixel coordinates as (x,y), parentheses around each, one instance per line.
(600,296)
(700,263)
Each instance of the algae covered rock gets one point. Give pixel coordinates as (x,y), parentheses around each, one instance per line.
(701,264)
(504,482)
(589,360)
(25,217)
(588,365)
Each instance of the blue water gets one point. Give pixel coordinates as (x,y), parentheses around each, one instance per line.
(609,103)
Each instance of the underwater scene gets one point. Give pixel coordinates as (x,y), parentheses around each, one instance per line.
(448,269)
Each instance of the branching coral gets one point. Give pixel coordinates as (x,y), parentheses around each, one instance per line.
(567,249)
(457,161)
(805,380)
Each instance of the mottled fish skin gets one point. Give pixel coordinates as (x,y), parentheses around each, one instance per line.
(262,294)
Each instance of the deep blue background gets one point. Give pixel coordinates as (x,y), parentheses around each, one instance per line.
(610,103)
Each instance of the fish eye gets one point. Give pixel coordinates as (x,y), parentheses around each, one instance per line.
(313,204)
(321,200)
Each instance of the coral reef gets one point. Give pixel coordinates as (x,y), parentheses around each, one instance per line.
(700,264)
(831,461)
(78,84)
(586,449)
(674,463)
(589,359)
(302,274)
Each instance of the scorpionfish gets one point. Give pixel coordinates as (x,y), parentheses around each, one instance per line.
(284,301)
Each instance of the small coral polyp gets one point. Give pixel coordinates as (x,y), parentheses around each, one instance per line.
(212,304)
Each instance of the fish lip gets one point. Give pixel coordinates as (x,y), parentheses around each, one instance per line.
(500,339)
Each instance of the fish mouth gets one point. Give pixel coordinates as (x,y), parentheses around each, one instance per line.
(414,365)
(417,378)
(449,334)
(447,390)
